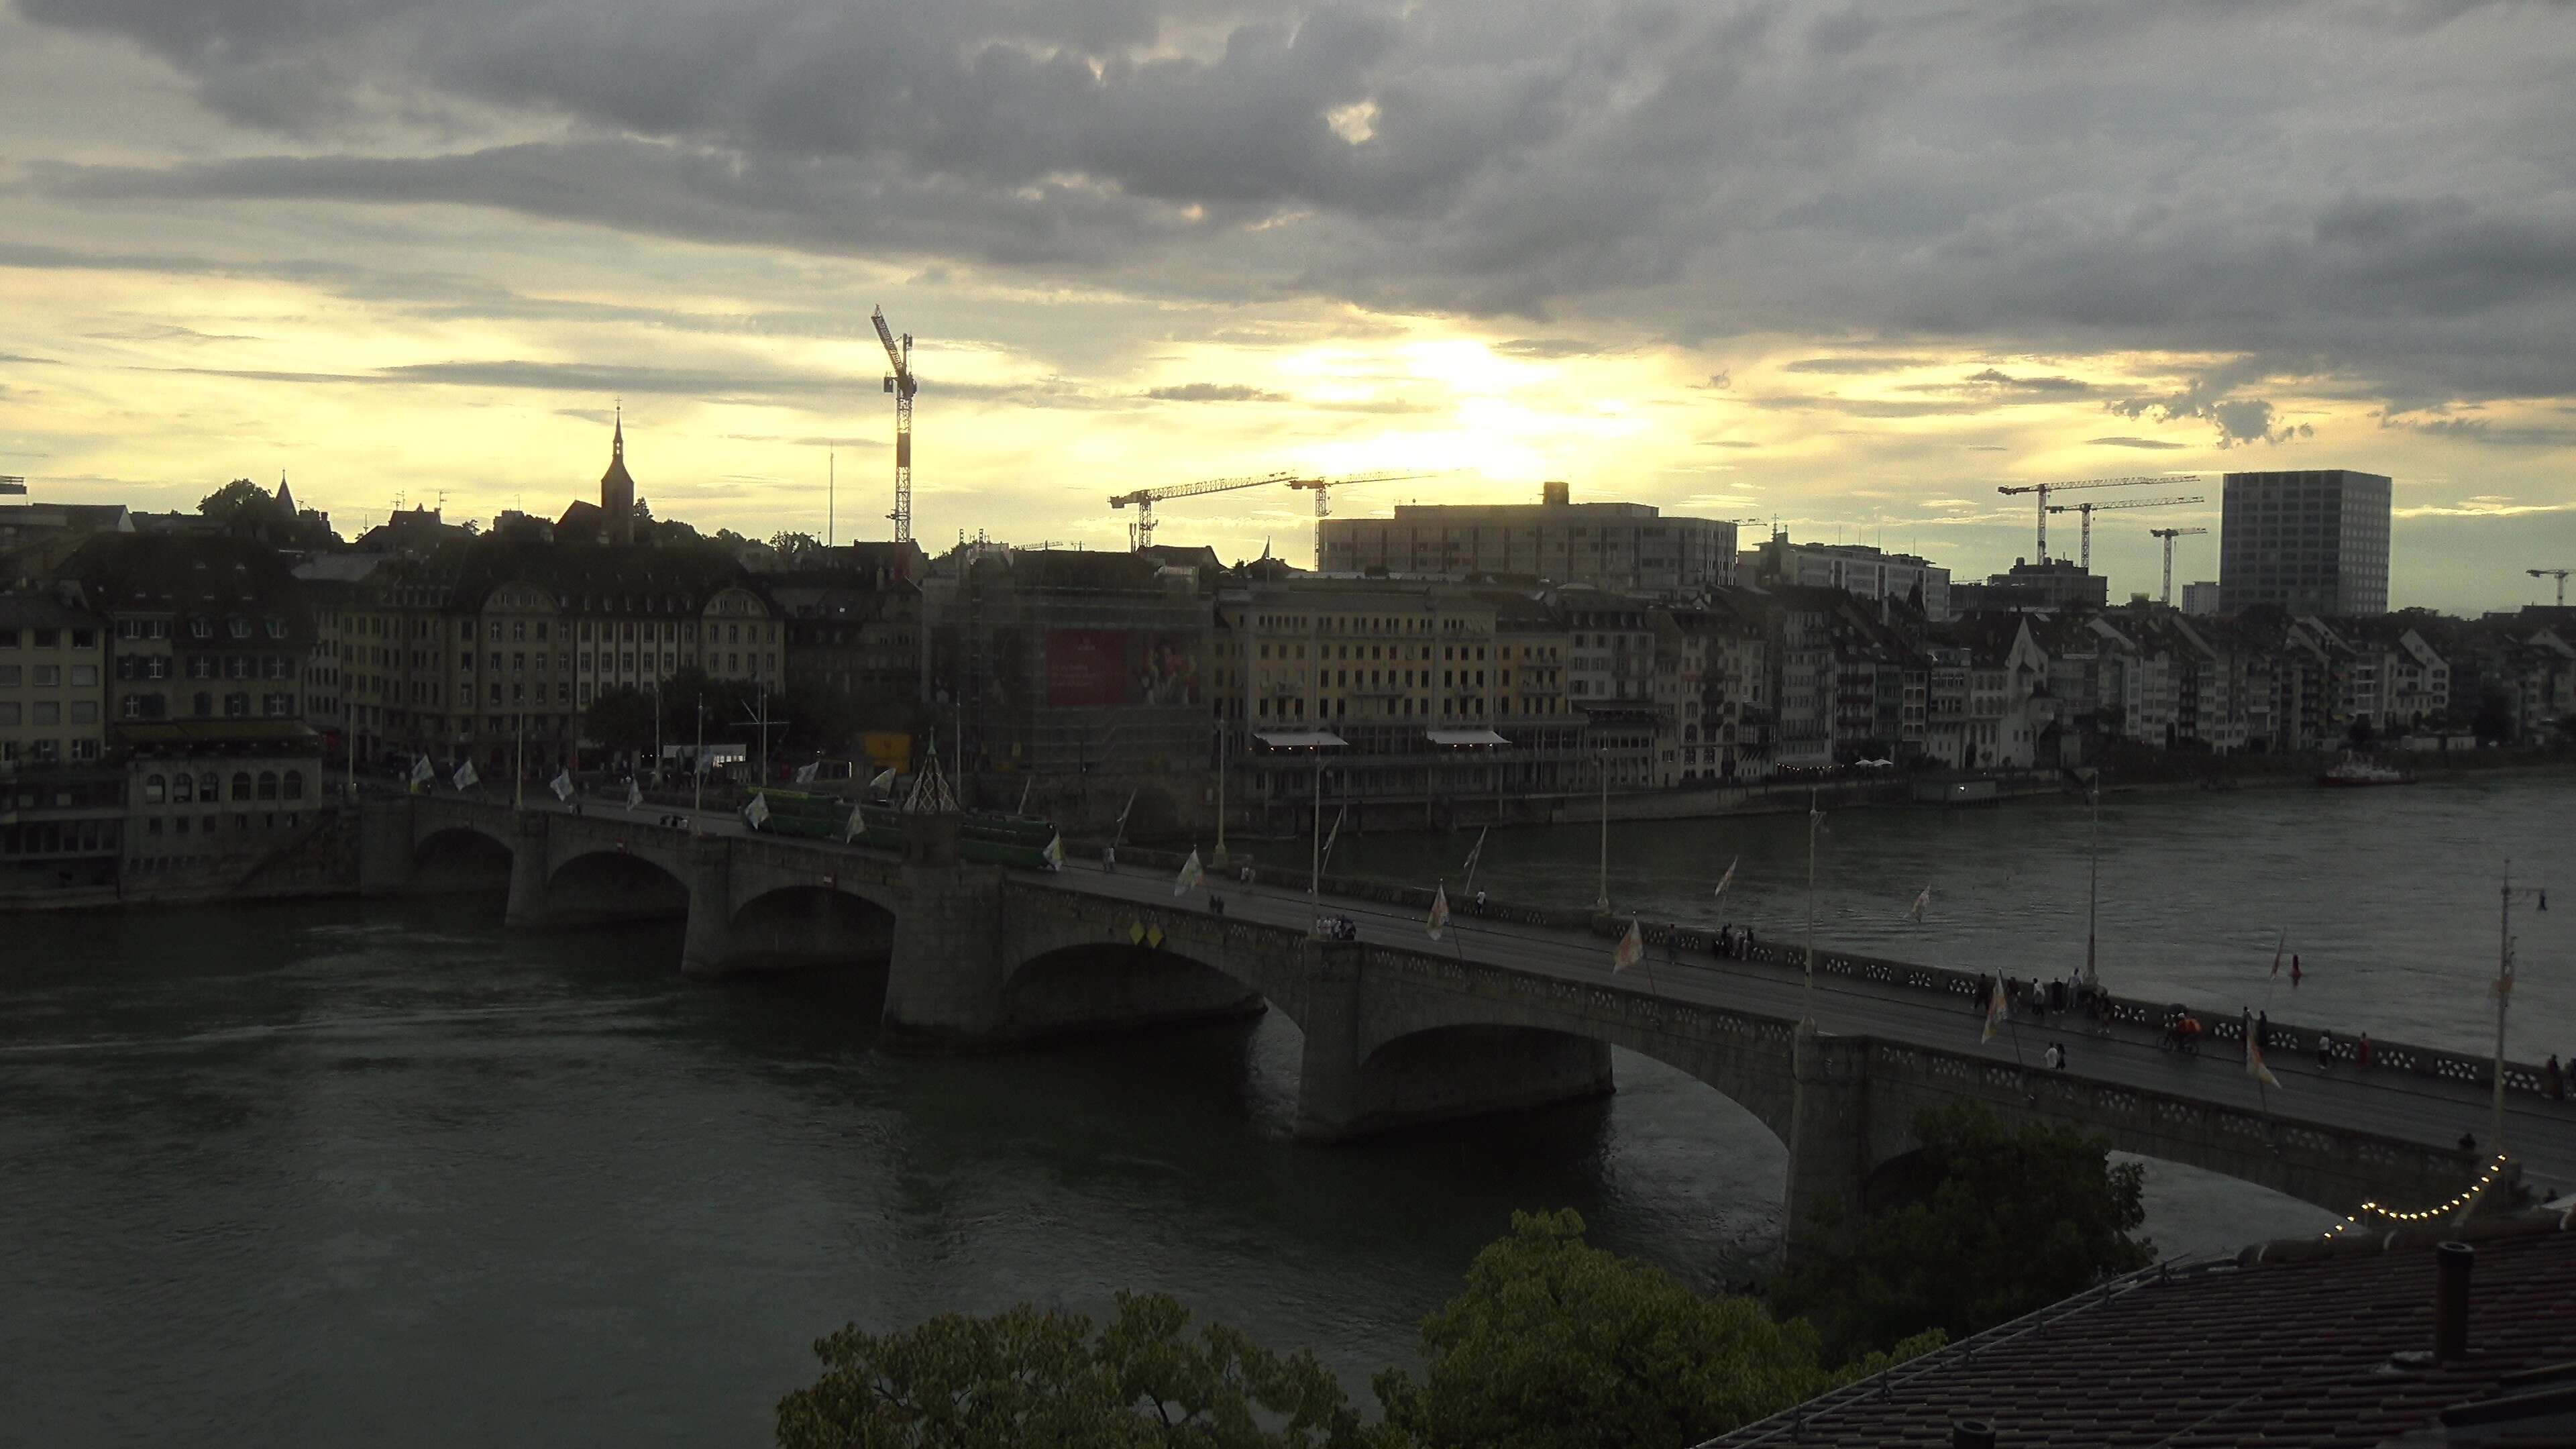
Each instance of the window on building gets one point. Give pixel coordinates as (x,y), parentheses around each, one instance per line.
(156,788)
(241,785)
(293,784)
(268,784)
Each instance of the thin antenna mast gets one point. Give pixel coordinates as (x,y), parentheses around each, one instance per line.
(831,487)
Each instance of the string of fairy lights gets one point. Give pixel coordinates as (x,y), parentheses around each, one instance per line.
(2467,1196)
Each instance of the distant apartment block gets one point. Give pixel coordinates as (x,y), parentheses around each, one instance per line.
(2313,542)
(1618,547)
(1856,569)
(2043,587)
(2201,599)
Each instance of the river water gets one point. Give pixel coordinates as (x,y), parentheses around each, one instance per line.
(340,1173)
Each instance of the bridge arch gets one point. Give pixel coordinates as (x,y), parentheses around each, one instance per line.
(812,923)
(1745,1059)
(612,885)
(1098,985)
(460,857)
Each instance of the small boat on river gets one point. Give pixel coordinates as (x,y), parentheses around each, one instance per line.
(2353,771)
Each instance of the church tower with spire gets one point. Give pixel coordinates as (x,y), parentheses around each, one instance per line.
(617,489)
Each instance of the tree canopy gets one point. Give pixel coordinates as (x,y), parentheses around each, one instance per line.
(1030,1376)
(2009,1219)
(1556,1344)
(236,500)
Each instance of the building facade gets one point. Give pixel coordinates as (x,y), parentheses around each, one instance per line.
(1856,569)
(53,684)
(1626,547)
(2312,542)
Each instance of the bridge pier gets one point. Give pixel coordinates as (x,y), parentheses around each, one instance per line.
(944,981)
(385,859)
(527,907)
(1428,1077)
(707,870)
(1829,1136)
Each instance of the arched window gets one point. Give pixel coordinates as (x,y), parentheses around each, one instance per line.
(209,789)
(182,788)
(295,784)
(156,789)
(241,784)
(268,784)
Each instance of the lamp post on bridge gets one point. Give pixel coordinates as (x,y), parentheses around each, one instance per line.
(1601,898)
(1807,993)
(2505,895)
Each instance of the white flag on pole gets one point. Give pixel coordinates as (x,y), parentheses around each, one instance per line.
(561,784)
(1439,920)
(757,812)
(1329,836)
(2277,950)
(2254,1060)
(421,773)
(1478,853)
(1055,853)
(634,794)
(1191,874)
(1728,879)
(805,773)
(1632,949)
(1997,1009)
(882,782)
(1920,903)
(465,776)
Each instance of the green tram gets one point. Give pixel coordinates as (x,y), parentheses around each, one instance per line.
(987,837)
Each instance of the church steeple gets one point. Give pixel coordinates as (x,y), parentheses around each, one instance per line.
(617,488)
(285,497)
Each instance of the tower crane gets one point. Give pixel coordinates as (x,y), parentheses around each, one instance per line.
(2560,575)
(2044,489)
(2169,535)
(1141,532)
(899,382)
(2086,509)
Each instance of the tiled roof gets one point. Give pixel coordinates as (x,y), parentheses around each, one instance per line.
(2291,1345)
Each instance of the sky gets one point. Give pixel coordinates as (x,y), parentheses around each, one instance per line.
(1852,269)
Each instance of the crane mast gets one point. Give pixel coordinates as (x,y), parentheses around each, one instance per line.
(2560,575)
(899,382)
(2169,535)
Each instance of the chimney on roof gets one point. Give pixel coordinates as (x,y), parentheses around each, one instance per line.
(1555,495)
(1971,1434)
(2451,1264)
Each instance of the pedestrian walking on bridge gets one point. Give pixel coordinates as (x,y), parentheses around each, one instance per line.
(2553,1080)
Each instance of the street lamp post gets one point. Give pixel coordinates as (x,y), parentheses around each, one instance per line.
(1807,997)
(2093,901)
(698,768)
(2504,987)
(1223,736)
(1601,897)
(1315,870)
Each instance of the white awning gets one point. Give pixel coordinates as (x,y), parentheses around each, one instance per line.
(1300,739)
(1464,737)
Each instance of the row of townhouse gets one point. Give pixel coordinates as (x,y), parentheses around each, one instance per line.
(2274,684)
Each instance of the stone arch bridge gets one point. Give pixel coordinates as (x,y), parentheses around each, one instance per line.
(1395,1036)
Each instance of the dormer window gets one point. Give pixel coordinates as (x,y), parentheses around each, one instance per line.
(201,628)
(276,628)
(237,626)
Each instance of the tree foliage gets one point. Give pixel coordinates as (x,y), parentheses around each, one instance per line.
(1556,1344)
(1031,1376)
(621,718)
(238,502)
(2012,1219)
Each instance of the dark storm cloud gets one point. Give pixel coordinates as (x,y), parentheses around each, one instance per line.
(1213,392)
(2024,172)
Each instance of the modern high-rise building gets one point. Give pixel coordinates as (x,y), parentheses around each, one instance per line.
(2312,542)
(1621,547)
(2200,599)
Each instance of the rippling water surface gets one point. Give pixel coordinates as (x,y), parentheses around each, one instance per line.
(365,1174)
